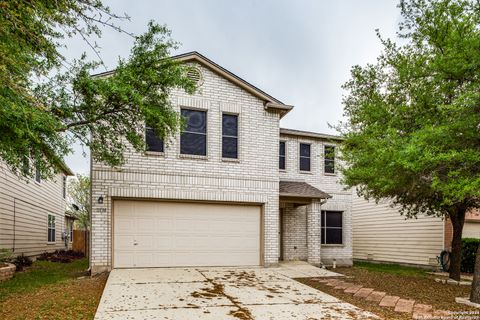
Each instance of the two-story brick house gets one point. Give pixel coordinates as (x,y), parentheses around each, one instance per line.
(232,189)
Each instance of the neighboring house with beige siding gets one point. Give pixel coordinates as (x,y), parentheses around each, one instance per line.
(32,212)
(382,234)
(233,189)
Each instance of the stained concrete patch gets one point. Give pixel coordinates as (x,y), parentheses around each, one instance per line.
(244,275)
(309,311)
(290,292)
(152,275)
(158,295)
(208,313)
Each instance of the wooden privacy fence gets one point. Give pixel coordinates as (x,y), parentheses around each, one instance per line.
(80,241)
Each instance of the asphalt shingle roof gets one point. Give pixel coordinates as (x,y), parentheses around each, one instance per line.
(301,190)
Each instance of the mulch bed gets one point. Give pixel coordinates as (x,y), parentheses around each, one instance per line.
(61,256)
(421,288)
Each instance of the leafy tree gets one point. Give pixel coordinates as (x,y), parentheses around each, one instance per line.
(47,102)
(79,198)
(413,117)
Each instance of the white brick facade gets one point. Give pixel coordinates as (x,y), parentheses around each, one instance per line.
(254,178)
(295,219)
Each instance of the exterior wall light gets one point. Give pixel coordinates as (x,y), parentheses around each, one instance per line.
(100,200)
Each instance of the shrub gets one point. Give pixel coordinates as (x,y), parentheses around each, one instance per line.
(21,262)
(469,250)
(5,256)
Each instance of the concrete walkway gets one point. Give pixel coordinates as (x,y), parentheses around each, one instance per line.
(221,293)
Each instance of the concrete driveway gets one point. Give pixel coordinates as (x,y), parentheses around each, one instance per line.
(220,293)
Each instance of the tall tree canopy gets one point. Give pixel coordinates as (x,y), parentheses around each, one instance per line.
(413,117)
(46,101)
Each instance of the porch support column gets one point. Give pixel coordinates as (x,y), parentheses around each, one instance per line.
(313,232)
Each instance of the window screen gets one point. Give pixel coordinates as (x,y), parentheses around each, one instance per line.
(194,138)
(304,157)
(152,140)
(329,159)
(331,227)
(230,136)
(281,163)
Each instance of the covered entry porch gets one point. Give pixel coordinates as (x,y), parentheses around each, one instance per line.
(300,222)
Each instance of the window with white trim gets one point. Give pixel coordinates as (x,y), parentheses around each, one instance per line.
(38,176)
(193,139)
(230,136)
(305,156)
(64,187)
(153,142)
(332,227)
(70,231)
(329,158)
(282,153)
(51,228)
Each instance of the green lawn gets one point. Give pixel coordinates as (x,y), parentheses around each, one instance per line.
(394,269)
(42,273)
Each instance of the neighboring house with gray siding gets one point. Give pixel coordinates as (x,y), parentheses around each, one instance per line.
(32,212)
(232,189)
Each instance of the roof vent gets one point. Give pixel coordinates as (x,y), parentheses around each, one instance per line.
(196,75)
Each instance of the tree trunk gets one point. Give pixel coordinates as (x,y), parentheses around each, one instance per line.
(475,293)
(458,218)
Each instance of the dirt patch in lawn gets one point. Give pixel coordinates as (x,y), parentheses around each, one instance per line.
(72,299)
(420,287)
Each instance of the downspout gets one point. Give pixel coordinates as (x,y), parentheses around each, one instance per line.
(14,222)
(90,226)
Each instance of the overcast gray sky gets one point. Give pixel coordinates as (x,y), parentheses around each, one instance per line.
(299,51)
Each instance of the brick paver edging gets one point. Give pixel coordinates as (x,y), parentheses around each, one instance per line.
(400,305)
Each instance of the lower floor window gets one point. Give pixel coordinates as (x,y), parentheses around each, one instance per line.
(51,228)
(331,227)
(70,231)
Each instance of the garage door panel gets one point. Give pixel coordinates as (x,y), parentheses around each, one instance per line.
(124,259)
(163,243)
(144,259)
(146,225)
(124,225)
(124,242)
(185,234)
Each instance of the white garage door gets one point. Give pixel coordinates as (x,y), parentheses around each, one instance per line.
(172,234)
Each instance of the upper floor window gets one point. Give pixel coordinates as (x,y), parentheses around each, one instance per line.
(152,140)
(51,228)
(331,227)
(64,187)
(230,136)
(329,156)
(304,157)
(281,162)
(26,166)
(38,176)
(193,139)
